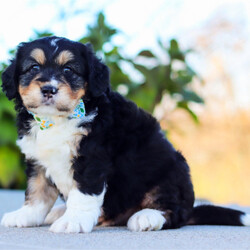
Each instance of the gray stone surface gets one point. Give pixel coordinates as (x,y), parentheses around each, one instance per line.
(189,237)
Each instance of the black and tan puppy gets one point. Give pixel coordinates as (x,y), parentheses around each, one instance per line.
(105,156)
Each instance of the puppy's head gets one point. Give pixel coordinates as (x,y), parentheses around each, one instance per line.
(52,74)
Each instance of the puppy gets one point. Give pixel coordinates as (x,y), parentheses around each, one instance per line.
(106,157)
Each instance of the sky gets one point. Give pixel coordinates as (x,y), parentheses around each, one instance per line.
(140,21)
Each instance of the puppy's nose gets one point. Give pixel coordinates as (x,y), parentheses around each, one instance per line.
(49,91)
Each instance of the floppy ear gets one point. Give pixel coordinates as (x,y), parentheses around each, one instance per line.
(98,74)
(8,81)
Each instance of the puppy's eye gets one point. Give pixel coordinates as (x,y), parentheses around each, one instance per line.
(67,71)
(34,68)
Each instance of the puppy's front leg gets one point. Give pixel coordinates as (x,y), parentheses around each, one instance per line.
(39,198)
(81,214)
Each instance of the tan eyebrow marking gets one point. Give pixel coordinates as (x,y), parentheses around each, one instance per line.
(64,57)
(38,55)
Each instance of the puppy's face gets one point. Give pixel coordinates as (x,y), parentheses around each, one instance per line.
(52,74)
(52,78)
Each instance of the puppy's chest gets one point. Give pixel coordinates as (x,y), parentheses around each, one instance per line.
(54,149)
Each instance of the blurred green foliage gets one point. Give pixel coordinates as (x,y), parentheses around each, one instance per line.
(159,76)
(11,161)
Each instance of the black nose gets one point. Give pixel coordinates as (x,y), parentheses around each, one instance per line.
(49,91)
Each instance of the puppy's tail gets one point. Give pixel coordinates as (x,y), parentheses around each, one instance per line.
(214,215)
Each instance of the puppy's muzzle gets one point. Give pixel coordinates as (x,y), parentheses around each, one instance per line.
(49,91)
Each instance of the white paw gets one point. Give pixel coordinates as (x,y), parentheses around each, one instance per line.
(75,221)
(146,220)
(54,214)
(245,219)
(26,216)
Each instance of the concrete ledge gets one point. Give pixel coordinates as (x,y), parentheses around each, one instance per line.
(189,237)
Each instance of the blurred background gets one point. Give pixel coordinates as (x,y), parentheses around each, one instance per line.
(186,62)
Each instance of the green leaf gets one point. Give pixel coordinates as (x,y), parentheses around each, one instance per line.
(9,166)
(143,69)
(183,77)
(112,52)
(174,45)
(144,97)
(175,52)
(101,20)
(8,131)
(6,106)
(146,53)
(39,34)
(117,75)
(184,105)
(99,33)
(191,96)
(190,71)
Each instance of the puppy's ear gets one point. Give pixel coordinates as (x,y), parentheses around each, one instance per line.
(8,80)
(98,74)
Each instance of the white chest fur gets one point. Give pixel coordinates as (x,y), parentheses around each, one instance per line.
(54,149)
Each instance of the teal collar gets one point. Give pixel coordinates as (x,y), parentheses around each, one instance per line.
(45,122)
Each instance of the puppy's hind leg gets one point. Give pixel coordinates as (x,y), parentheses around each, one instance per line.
(163,207)
(146,220)
(55,213)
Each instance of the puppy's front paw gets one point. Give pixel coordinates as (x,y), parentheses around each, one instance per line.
(75,221)
(26,216)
